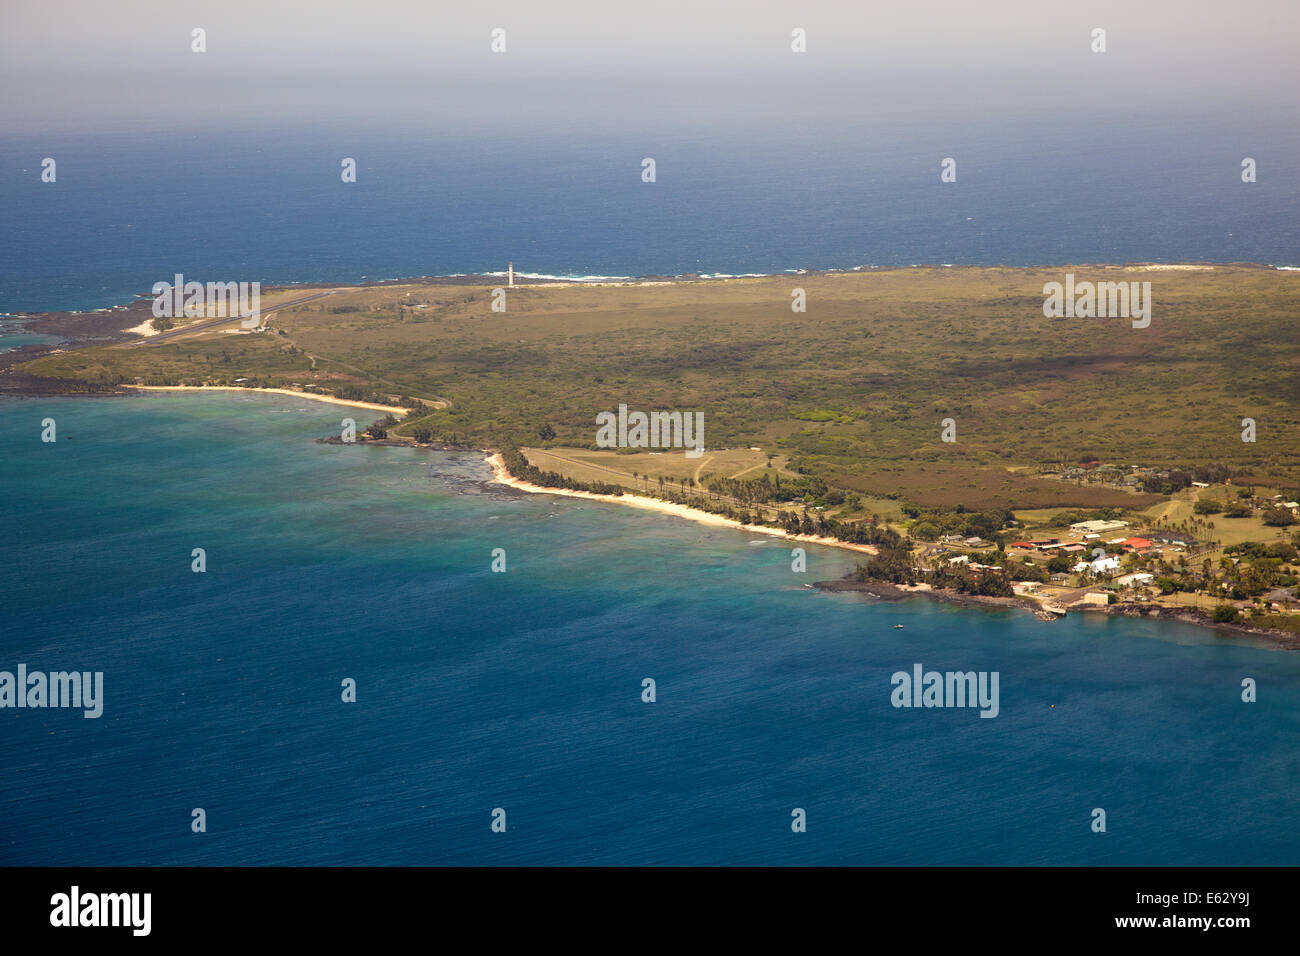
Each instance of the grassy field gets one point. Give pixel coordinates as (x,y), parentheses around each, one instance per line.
(1177,512)
(673,465)
(642,471)
(852,391)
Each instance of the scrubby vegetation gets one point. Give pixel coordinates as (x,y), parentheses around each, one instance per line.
(853,392)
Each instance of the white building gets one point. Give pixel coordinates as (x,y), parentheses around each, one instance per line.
(1105,565)
(1138,577)
(1097,527)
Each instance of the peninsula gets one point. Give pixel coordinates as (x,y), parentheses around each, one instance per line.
(935,419)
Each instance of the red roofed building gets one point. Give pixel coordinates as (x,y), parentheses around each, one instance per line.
(1136,544)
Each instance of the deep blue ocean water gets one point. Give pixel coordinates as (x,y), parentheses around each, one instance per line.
(134,207)
(521,690)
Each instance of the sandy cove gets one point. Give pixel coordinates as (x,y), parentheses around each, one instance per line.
(395,409)
(502,477)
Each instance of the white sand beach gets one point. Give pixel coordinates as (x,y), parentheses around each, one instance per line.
(395,409)
(145,329)
(503,477)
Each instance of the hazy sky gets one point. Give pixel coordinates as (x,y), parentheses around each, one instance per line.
(65,63)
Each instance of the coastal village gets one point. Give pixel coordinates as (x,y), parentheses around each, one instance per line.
(1243,569)
(1213,552)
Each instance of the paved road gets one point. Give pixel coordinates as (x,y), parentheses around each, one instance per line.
(213,323)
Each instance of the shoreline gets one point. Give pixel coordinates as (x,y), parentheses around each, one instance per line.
(536,279)
(502,477)
(883,591)
(1277,639)
(329,399)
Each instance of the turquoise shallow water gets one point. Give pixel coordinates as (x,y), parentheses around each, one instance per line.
(522,690)
(14,335)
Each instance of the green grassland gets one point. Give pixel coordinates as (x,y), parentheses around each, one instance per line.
(853,391)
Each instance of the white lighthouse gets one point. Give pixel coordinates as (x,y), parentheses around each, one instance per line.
(511,274)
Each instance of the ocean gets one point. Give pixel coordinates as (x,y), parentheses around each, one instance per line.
(14,335)
(133,206)
(522,690)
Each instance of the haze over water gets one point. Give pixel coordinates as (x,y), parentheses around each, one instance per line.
(130,210)
(225,165)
